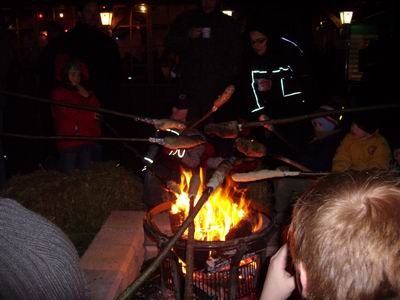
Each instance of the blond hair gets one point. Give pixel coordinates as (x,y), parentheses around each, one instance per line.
(346,233)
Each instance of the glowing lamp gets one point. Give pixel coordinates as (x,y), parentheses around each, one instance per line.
(106,18)
(345,17)
(142,8)
(228,12)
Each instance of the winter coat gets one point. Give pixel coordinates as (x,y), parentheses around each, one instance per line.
(207,65)
(70,121)
(362,154)
(283,65)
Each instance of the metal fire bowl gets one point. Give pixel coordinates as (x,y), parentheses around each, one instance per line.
(253,242)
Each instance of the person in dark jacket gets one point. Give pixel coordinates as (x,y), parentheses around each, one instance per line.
(68,121)
(87,42)
(272,75)
(209,48)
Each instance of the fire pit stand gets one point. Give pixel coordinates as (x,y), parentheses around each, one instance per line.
(231,272)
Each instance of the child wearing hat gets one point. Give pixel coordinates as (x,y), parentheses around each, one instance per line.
(363,148)
(71,75)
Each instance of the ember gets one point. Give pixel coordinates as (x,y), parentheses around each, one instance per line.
(220,215)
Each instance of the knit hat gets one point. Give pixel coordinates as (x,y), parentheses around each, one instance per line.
(366,122)
(37,259)
(263,26)
(328,123)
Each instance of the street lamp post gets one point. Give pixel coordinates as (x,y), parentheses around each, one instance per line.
(106,19)
(345,20)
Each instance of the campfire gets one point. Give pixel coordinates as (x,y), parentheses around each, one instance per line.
(231,236)
(221,217)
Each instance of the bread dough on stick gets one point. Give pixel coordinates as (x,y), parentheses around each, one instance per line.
(225,130)
(250,148)
(261,175)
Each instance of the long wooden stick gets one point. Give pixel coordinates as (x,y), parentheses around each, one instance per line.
(193,188)
(291,162)
(173,143)
(73,137)
(131,289)
(83,107)
(188,295)
(221,100)
(320,114)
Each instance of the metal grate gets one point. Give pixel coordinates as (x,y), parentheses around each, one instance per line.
(214,285)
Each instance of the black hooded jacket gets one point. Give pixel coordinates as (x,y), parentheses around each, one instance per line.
(283,64)
(207,65)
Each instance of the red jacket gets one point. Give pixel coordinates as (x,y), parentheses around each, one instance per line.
(70,121)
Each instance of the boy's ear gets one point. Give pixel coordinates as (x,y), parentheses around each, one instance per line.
(303,279)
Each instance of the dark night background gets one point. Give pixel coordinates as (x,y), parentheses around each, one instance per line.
(314,25)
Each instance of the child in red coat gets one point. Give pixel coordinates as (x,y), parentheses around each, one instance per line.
(74,153)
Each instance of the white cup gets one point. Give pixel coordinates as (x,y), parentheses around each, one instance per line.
(263,84)
(206,32)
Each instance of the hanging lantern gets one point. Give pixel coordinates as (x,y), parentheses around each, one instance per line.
(228,12)
(345,17)
(106,18)
(142,8)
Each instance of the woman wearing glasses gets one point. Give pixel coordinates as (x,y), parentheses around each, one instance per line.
(271,70)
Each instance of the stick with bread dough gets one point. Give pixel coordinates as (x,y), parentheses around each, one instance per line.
(261,174)
(179,142)
(225,130)
(267,174)
(250,148)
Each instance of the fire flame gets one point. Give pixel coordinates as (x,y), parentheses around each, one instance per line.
(218,215)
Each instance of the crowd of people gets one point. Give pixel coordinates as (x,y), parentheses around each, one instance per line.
(343,233)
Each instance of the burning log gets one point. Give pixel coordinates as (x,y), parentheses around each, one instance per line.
(242,229)
(225,130)
(217,264)
(173,187)
(250,148)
